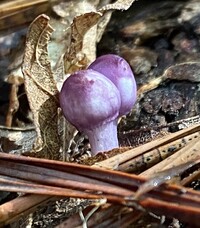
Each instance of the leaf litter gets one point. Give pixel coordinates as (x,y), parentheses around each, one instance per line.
(79,61)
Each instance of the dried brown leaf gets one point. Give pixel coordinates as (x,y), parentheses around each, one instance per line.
(76,59)
(41,88)
(68,11)
(16,140)
(184,71)
(78,56)
(118,5)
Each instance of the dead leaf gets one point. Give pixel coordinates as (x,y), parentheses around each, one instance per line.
(41,88)
(68,11)
(184,71)
(16,140)
(75,59)
(78,56)
(118,5)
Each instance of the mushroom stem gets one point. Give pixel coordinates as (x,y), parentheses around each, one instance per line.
(103,137)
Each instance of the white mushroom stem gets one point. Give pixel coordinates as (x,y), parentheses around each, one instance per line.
(103,137)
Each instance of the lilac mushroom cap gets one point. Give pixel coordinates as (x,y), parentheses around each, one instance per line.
(119,72)
(91,102)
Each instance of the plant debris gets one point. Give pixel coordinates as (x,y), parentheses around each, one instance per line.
(159,139)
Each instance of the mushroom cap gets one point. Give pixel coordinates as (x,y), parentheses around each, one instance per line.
(88,99)
(119,72)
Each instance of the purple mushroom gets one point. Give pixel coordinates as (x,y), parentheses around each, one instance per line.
(91,102)
(119,72)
